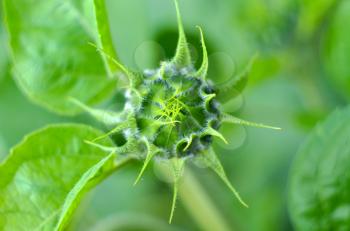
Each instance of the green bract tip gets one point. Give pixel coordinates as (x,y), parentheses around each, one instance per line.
(183,56)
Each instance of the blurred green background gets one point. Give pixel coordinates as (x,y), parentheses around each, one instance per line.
(301,75)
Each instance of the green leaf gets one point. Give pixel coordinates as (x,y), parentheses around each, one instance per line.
(52,58)
(234,86)
(46,175)
(91,178)
(319,196)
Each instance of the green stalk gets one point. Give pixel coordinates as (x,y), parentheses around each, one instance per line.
(199,205)
(195,200)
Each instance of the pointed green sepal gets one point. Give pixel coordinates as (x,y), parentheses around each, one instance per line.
(162,123)
(152,150)
(203,70)
(211,131)
(118,128)
(105,39)
(234,86)
(102,147)
(208,98)
(182,56)
(213,162)
(134,78)
(110,58)
(189,142)
(121,150)
(104,116)
(178,167)
(234,120)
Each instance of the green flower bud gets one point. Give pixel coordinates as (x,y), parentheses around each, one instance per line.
(178,110)
(173,112)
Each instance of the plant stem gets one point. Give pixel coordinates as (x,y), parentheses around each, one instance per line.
(132,221)
(195,200)
(199,205)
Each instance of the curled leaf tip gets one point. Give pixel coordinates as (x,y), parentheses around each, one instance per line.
(118,128)
(173,206)
(183,56)
(152,150)
(234,120)
(213,132)
(129,74)
(100,146)
(148,159)
(178,167)
(202,72)
(210,97)
(214,163)
(276,128)
(189,142)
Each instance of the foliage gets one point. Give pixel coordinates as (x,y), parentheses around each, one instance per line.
(51,57)
(170,113)
(299,78)
(319,196)
(45,176)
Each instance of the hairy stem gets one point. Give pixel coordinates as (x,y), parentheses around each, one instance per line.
(197,202)
(199,205)
(132,221)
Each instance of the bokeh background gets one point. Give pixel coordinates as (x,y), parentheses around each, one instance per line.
(302,74)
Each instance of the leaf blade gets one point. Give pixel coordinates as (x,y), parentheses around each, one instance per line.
(88,180)
(51,56)
(318,192)
(40,172)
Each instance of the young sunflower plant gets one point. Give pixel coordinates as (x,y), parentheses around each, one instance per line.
(170,114)
(173,113)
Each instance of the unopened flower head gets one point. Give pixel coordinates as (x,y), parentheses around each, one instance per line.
(173,113)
